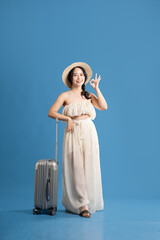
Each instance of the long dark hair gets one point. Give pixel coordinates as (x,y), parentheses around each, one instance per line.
(84,92)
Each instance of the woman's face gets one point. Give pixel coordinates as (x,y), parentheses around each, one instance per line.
(78,77)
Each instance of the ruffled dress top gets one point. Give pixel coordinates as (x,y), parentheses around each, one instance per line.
(79,108)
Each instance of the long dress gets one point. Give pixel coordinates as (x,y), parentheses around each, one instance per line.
(81,178)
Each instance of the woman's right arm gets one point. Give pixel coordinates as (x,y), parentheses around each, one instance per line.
(53,112)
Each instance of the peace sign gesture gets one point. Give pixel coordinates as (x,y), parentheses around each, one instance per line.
(95,81)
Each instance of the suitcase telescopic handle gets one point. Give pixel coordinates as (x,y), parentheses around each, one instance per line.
(56,138)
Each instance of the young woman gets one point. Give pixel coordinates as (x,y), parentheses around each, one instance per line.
(81,178)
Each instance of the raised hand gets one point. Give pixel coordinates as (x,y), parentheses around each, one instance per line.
(95,81)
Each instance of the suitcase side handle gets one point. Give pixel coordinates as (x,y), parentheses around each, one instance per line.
(47,191)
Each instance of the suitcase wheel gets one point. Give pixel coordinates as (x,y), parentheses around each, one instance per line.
(52,211)
(35,211)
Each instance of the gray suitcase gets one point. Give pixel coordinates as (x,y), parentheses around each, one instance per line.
(46,184)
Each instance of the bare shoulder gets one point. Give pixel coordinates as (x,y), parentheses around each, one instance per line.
(61,99)
(66,96)
(62,95)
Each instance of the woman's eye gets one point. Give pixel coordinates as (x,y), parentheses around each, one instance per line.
(76,75)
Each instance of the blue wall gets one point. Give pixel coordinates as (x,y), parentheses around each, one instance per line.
(120,41)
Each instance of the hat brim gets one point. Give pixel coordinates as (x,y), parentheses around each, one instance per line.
(70,67)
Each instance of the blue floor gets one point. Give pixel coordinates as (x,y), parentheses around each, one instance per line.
(120,220)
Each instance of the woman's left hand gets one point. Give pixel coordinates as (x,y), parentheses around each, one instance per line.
(95,81)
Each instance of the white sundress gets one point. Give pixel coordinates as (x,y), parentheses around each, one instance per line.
(81,178)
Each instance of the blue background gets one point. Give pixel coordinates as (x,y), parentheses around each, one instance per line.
(120,41)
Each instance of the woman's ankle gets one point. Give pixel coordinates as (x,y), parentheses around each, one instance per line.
(83,208)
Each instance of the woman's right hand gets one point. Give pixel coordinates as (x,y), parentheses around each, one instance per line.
(70,125)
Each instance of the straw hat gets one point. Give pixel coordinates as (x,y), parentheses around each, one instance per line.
(69,68)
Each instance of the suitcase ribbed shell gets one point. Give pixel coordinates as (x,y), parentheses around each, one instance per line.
(46,184)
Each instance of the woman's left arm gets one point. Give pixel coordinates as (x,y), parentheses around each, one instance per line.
(99,101)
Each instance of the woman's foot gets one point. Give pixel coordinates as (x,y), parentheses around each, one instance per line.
(84,212)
